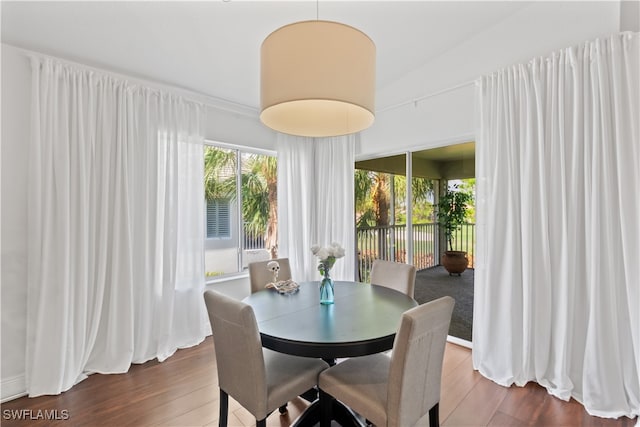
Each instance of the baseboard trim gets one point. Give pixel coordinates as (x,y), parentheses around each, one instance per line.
(460,342)
(13,388)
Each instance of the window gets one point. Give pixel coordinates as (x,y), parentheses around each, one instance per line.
(218,219)
(241,214)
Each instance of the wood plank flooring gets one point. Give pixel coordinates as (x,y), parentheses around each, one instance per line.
(182,391)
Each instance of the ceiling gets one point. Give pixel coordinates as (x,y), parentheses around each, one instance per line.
(213,47)
(464,151)
(449,162)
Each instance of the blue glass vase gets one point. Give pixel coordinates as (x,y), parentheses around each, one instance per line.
(326,289)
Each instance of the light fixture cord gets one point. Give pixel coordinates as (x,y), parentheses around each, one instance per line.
(317,10)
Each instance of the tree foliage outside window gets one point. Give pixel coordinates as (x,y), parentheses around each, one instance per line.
(452,211)
(258,188)
(373,198)
(469,186)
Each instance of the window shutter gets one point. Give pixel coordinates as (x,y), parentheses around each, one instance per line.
(218,219)
(224,219)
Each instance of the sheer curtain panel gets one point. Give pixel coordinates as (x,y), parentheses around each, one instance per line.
(315,202)
(115,226)
(558,276)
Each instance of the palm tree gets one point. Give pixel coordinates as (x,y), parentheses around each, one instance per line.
(363,183)
(219,173)
(258,189)
(373,202)
(422,196)
(372,196)
(260,198)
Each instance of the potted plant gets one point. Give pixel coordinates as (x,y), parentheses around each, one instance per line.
(452,209)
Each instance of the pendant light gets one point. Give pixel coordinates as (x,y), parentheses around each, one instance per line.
(317,79)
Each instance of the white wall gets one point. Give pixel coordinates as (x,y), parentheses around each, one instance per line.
(443,118)
(16,93)
(238,129)
(221,125)
(630,16)
(535,30)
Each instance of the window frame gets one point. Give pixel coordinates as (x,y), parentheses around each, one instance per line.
(235,228)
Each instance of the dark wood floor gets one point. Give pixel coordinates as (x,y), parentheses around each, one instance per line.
(182,391)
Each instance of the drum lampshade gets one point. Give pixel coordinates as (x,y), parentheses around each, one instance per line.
(317,79)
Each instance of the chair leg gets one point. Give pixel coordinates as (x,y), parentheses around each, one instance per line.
(224,408)
(261,423)
(326,405)
(434,416)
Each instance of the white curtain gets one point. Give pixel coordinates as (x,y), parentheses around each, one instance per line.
(557,294)
(315,202)
(115,226)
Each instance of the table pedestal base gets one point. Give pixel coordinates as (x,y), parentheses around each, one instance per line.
(342,414)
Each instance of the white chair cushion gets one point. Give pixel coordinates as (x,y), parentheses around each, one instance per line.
(289,376)
(361,384)
(394,275)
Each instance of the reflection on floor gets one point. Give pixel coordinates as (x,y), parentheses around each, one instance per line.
(183,391)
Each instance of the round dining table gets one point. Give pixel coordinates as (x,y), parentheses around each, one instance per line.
(363,320)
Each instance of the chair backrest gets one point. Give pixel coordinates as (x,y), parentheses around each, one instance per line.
(416,362)
(259,275)
(394,275)
(239,357)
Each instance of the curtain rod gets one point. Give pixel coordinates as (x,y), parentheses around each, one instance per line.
(422,98)
(208,100)
(469,83)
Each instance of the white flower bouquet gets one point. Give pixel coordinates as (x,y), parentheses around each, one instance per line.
(327,256)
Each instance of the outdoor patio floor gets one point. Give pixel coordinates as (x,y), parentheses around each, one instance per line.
(433,283)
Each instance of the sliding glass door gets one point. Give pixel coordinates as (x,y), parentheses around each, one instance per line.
(380,211)
(397,202)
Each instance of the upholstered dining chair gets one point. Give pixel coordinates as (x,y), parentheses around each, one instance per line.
(394,275)
(259,274)
(260,380)
(396,391)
